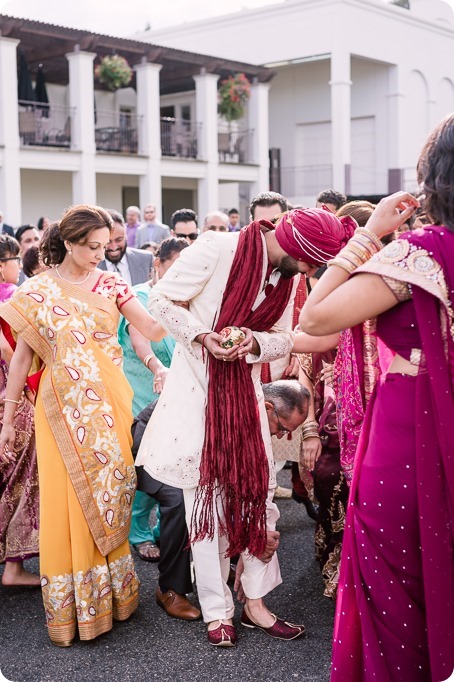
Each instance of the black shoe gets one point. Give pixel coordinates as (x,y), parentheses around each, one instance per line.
(311,508)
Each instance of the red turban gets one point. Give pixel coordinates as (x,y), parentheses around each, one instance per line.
(313,235)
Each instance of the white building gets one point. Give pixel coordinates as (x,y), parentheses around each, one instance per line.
(159,141)
(358,86)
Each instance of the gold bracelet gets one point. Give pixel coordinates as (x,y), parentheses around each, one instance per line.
(147,359)
(370,235)
(310,435)
(10,400)
(338,264)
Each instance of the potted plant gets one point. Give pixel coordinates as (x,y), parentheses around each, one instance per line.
(114,72)
(234,92)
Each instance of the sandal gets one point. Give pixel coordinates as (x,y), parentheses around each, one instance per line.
(143,548)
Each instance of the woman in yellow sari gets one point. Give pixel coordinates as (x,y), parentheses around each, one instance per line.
(68,317)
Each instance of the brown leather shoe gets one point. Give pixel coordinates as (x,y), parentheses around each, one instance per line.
(177,605)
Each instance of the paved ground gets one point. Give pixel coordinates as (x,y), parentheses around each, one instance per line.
(153,646)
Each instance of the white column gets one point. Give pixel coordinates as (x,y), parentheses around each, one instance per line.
(258,121)
(206,102)
(148,110)
(341,119)
(396,123)
(10,181)
(81,101)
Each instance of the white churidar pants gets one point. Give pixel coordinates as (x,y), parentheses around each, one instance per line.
(212,567)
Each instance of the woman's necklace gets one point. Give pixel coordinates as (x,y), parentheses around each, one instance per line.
(68,280)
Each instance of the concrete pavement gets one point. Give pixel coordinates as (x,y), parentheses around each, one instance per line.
(152,646)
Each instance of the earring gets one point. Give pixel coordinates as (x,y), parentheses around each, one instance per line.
(70,252)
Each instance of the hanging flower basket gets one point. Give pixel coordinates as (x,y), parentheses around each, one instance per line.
(114,72)
(233,96)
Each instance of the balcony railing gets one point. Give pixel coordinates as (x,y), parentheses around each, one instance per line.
(305,180)
(180,138)
(44,125)
(235,146)
(117,132)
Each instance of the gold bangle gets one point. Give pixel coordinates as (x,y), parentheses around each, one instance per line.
(10,400)
(147,359)
(338,264)
(310,435)
(370,235)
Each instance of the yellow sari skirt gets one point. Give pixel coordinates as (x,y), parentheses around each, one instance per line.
(83,591)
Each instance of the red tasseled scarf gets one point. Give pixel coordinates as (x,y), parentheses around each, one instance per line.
(234,465)
(300,299)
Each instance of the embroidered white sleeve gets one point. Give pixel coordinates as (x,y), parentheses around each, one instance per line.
(183,282)
(179,322)
(272,346)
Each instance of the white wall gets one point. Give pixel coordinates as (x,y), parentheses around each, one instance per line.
(46,193)
(401,70)
(109,189)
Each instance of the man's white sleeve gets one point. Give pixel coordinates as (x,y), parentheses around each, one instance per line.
(183,282)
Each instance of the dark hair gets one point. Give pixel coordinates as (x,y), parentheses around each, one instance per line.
(170,246)
(76,225)
(233,210)
(31,260)
(183,215)
(116,216)
(268,199)
(330,196)
(40,224)
(20,231)
(360,210)
(287,395)
(9,246)
(436,173)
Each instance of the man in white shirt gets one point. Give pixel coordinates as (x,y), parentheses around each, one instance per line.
(152,231)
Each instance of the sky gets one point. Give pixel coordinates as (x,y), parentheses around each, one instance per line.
(126,17)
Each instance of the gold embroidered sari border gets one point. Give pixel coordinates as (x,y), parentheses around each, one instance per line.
(402,274)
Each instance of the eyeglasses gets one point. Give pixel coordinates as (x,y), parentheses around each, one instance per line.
(192,236)
(16,258)
(218,228)
(281,429)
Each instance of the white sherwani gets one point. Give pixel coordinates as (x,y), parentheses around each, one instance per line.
(172,444)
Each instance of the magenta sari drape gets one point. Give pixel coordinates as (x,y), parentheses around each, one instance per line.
(19,493)
(394,614)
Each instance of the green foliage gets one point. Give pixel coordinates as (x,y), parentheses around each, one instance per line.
(114,72)
(233,95)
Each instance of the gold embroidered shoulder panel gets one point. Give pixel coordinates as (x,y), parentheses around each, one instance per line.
(403,261)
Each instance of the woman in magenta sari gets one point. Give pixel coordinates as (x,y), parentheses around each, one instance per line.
(19,497)
(396,591)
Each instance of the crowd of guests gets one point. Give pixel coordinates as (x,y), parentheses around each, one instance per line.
(119,325)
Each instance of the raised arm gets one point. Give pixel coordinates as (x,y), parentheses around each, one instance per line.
(336,303)
(305,343)
(136,315)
